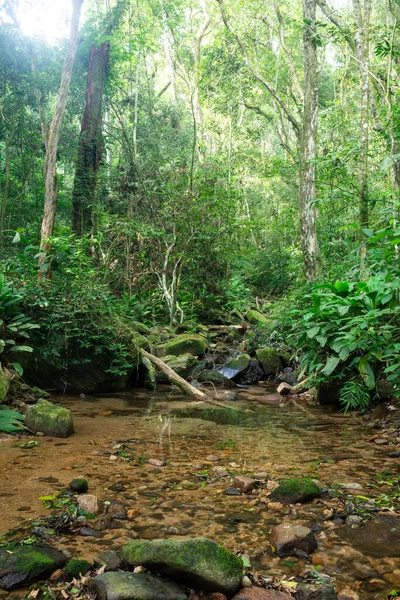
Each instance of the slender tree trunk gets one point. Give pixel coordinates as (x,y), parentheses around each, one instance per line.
(50,168)
(7,184)
(90,146)
(308,147)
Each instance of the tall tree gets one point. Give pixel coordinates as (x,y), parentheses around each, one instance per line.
(50,167)
(308,146)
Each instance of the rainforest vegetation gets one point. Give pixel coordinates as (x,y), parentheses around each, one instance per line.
(165,162)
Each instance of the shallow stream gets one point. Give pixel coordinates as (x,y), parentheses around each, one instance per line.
(202,447)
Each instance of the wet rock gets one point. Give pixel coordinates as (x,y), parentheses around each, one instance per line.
(183,366)
(215,378)
(284,389)
(259,593)
(147,375)
(315,591)
(269,360)
(295,490)
(79,485)
(21,565)
(380,411)
(52,420)
(253,374)
(193,344)
(348,594)
(116,510)
(197,562)
(235,366)
(286,538)
(245,484)
(232,491)
(90,504)
(288,376)
(88,532)
(256,318)
(378,537)
(134,586)
(155,462)
(353,520)
(108,559)
(270,400)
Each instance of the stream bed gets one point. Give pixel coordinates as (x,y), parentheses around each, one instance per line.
(196,449)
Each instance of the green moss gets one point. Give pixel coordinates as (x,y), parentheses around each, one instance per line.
(50,419)
(76,567)
(182,344)
(79,485)
(269,360)
(296,490)
(256,318)
(33,563)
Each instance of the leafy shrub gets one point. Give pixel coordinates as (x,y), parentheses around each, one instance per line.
(11,421)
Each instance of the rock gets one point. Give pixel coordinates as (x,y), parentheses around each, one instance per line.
(148,374)
(197,562)
(214,378)
(232,491)
(284,389)
(140,328)
(295,490)
(134,586)
(259,593)
(286,538)
(77,567)
(256,318)
(315,591)
(252,375)
(269,360)
(90,504)
(235,366)
(108,559)
(356,487)
(182,365)
(353,520)
(88,532)
(288,376)
(245,484)
(139,341)
(79,485)
(155,462)
(21,565)
(52,420)
(191,326)
(5,380)
(380,411)
(378,537)
(193,344)
(348,594)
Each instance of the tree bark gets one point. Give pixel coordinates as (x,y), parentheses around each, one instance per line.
(308,147)
(90,146)
(50,168)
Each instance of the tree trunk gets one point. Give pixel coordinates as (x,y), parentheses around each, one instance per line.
(90,146)
(308,147)
(50,168)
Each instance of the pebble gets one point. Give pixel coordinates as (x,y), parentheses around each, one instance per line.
(90,504)
(244,484)
(155,462)
(232,491)
(275,506)
(353,486)
(353,520)
(348,594)
(246,582)
(113,457)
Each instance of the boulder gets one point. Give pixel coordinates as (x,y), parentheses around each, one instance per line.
(182,365)
(214,378)
(139,341)
(134,586)
(21,565)
(191,326)
(50,419)
(5,380)
(197,562)
(286,538)
(318,590)
(187,343)
(148,376)
(252,376)
(295,490)
(79,485)
(108,559)
(235,366)
(258,593)
(269,360)
(256,318)
(140,328)
(90,504)
(378,537)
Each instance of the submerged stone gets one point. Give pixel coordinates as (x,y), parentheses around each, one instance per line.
(21,565)
(286,538)
(215,378)
(134,586)
(295,490)
(316,591)
(235,366)
(378,537)
(52,420)
(197,562)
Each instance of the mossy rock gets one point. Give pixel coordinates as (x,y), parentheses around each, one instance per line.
(256,318)
(295,490)
(79,485)
(140,328)
(191,326)
(134,586)
(196,562)
(221,348)
(214,378)
(186,343)
(235,366)
(182,365)
(148,375)
(52,420)
(139,341)
(76,567)
(5,380)
(21,565)
(269,360)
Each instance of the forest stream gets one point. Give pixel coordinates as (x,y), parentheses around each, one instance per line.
(195,450)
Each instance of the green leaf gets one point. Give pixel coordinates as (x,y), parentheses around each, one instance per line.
(321,339)
(331,365)
(11,421)
(21,349)
(311,333)
(366,373)
(342,310)
(18,368)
